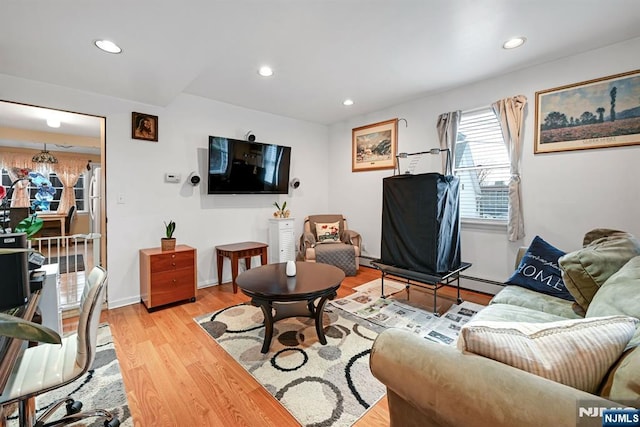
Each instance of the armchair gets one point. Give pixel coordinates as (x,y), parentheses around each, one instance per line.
(49,366)
(327,239)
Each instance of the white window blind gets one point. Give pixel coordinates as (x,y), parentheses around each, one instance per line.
(482,163)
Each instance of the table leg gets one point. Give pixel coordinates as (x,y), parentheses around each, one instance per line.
(220,261)
(318,315)
(247,262)
(263,256)
(265,306)
(234,272)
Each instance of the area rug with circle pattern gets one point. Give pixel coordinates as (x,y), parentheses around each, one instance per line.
(320,385)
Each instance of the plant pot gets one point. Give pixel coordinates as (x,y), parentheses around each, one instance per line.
(168,244)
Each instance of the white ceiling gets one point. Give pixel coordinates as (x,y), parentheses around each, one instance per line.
(379,53)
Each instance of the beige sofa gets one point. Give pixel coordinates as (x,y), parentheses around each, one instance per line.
(430,384)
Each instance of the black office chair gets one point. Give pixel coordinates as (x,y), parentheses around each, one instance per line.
(49,366)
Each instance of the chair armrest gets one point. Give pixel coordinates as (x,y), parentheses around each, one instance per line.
(351,237)
(431,384)
(306,241)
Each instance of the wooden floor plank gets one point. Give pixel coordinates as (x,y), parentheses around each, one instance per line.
(175,374)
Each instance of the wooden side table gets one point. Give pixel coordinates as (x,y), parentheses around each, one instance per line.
(234,252)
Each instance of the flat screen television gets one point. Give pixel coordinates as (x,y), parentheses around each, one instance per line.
(247,167)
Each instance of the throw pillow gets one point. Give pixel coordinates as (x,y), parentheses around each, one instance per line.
(585,271)
(574,352)
(329,232)
(538,270)
(620,294)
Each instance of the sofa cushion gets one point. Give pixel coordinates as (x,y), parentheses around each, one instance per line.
(514,313)
(625,387)
(328,232)
(620,294)
(574,352)
(585,270)
(538,270)
(516,295)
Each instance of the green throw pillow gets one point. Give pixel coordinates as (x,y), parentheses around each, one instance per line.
(585,271)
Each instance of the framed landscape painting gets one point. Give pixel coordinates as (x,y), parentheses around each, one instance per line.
(597,113)
(374,146)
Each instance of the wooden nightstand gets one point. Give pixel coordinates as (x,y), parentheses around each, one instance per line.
(167,276)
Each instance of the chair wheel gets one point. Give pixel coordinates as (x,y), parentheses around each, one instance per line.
(113,423)
(74,407)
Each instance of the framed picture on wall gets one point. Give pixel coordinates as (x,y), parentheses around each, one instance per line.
(598,113)
(144,126)
(374,146)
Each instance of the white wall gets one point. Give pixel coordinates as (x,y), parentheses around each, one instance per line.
(564,194)
(135,170)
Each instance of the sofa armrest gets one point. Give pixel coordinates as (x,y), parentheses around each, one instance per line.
(431,384)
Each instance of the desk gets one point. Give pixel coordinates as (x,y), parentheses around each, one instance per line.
(235,251)
(10,347)
(56,217)
(431,281)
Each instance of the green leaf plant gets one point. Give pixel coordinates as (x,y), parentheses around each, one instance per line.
(169,229)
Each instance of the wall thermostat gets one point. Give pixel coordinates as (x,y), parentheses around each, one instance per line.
(172,177)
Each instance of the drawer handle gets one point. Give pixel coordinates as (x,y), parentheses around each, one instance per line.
(173,263)
(173,255)
(175,280)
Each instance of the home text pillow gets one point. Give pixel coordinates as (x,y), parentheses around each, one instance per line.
(585,271)
(328,232)
(538,270)
(574,352)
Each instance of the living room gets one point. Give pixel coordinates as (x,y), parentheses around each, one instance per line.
(564,194)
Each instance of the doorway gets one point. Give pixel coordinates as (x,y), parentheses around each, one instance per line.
(72,138)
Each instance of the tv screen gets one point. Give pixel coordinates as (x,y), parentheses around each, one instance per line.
(245,167)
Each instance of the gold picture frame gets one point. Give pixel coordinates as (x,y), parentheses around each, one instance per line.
(144,126)
(597,113)
(374,146)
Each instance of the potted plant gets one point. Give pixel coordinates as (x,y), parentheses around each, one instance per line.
(282,212)
(168,243)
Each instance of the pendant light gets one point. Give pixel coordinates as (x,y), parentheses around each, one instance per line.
(44,157)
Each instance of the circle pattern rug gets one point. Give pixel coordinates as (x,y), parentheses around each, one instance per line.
(320,385)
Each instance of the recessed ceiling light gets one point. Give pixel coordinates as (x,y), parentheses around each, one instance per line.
(514,43)
(265,71)
(347,102)
(107,46)
(53,123)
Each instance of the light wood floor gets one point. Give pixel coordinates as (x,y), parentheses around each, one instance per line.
(176,375)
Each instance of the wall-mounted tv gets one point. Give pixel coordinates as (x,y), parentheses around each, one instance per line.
(246,167)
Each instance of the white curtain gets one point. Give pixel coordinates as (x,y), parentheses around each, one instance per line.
(510,113)
(11,162)
(68,173)
(447,126)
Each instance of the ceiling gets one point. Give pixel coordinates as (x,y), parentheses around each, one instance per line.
(378,53)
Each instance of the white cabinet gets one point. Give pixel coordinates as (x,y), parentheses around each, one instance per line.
(49,306)
(282,240)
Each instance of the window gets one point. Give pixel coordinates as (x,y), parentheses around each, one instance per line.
(79,189)
(482,164)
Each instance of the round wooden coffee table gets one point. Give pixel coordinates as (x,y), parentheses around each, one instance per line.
(268,286)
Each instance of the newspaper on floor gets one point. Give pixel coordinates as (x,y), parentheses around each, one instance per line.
(391,313)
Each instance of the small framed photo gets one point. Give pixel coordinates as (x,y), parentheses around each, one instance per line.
(598,113)
(374,146)
(144,126)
